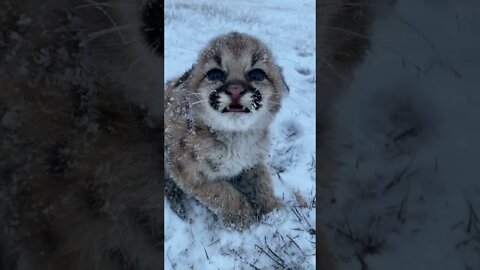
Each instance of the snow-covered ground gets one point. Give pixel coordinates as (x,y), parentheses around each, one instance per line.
(284,239)
(408,196)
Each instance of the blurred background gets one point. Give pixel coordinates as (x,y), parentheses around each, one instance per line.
(408,193)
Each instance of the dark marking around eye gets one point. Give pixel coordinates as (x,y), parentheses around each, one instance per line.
(217,59)
(152,25)
(255,58)
(256,75)
(216,74)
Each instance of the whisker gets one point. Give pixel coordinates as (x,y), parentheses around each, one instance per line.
(276,103)
(332,68)
(97,34)
(107,4)
(157,45)
(100,8)
(200,101)
(196,94)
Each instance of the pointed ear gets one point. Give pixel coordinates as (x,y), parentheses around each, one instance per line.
(284,87)
(183,79)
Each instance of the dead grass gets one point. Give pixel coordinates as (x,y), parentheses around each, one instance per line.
(209,12)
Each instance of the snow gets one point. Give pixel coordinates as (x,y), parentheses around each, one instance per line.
(408,194)
(289,31)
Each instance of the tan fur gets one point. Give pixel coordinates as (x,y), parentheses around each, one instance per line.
(213,163)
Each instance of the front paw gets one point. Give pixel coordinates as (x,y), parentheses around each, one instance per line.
(268,205)
(240,217)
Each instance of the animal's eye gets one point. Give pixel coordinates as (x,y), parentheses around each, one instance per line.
(256,75)
(215,74)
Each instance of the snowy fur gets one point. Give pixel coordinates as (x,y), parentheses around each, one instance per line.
(207,148)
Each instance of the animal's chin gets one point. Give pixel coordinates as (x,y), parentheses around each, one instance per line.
(233,121)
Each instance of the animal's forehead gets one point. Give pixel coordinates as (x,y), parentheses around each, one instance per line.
(235,52)
(231,60)
(236,43)
(247,56)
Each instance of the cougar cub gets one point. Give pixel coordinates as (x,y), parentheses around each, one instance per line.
(217,117)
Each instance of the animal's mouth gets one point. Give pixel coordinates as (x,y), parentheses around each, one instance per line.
(235,103)
(236,108)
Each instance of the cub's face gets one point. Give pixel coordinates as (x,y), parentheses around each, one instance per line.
(236,84)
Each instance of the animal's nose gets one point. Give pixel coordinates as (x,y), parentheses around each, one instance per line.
(235,92)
